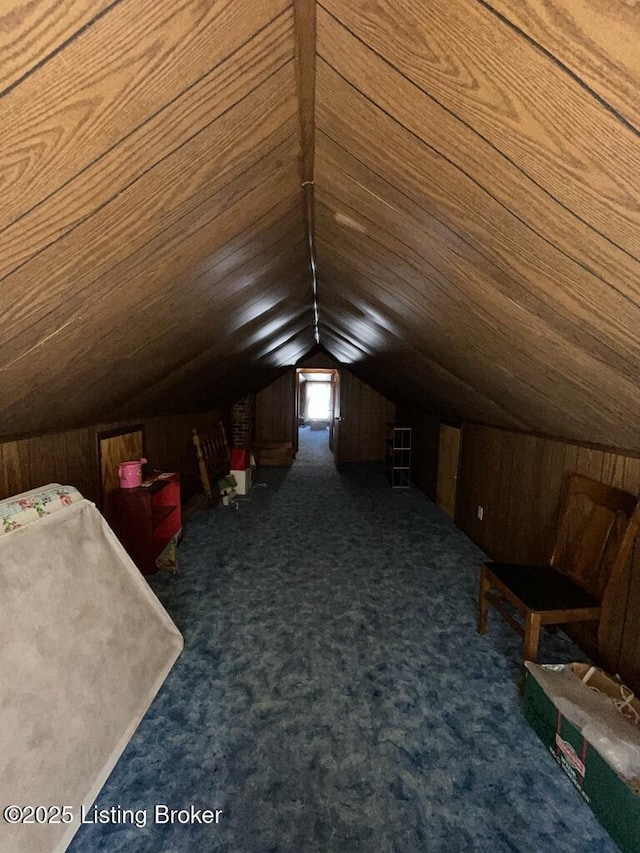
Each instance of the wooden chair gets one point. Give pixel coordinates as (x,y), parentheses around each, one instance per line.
(593,541)
(213,455)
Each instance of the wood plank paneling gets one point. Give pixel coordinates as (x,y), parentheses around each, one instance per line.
(433,138)
(165,131)
(150,222)
(42,460)
(516,98)
(452,180)
(163,49)
(32,31)
(275,410)
(467,291)
(169,441)
(365,412)
(214,160)
(225,312)
(470,208)
(448,458)
(78,467)
(518,478)
(13,467)
(305,21)
(419,376)
(425,438)
(70,457)
(56,457)
(597,41)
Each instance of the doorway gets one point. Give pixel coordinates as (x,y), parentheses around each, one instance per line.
(317,404)
(448,460)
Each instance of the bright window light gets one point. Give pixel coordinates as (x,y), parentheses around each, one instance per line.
(319,400)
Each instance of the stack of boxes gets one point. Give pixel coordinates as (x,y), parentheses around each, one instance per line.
(241,470)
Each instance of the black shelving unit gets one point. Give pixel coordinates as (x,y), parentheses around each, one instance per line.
(397,455)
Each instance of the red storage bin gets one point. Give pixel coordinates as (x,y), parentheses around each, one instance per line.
(239,459)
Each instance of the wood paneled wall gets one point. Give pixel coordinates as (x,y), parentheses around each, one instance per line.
(70,457)
(424,452)
(170,446)
(364,411)
(275,410)
(63,457)
(517,478)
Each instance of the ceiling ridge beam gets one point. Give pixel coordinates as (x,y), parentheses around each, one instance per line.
(304,12)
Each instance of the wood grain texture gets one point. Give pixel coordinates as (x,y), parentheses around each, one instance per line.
(534,298)
(596,41)
(30,32)
(407,377)
(424,450)
(448,458)
(152,205)
(305,26)
(150,209)
(150,294)
(474,214)
(516,98)
(365,412)
(32,462)
(114,450)
(275,410)
(390,279)
(70,457)
(163,48)
(171,127)
(170,446)
(395,271)
(431,139)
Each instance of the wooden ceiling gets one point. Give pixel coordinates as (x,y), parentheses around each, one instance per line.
(446,193)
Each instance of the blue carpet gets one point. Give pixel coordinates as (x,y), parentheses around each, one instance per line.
(333,694)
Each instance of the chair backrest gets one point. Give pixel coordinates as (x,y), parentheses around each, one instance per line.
(613,603)
(213,455)
(593,521)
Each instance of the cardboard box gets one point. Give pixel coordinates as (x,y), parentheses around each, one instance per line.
(275,454)
(243,480)
(569,716)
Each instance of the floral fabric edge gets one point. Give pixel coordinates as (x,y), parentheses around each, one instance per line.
(20,511)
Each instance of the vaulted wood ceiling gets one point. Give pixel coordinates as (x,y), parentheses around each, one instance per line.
(447,194)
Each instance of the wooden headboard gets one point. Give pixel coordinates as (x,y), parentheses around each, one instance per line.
(213,455)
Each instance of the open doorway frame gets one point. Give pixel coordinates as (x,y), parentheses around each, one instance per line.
(332,422)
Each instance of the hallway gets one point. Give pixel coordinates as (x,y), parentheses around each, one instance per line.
(333,694)
(313,447)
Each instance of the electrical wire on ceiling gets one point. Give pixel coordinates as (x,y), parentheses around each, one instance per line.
(308,189)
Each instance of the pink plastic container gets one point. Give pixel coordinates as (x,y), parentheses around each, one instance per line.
(130,474)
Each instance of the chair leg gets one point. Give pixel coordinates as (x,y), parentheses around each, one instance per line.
(483,602)
(531,636)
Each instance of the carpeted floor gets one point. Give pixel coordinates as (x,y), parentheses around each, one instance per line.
(333,694)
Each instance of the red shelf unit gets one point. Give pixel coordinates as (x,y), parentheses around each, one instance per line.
(146,519)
